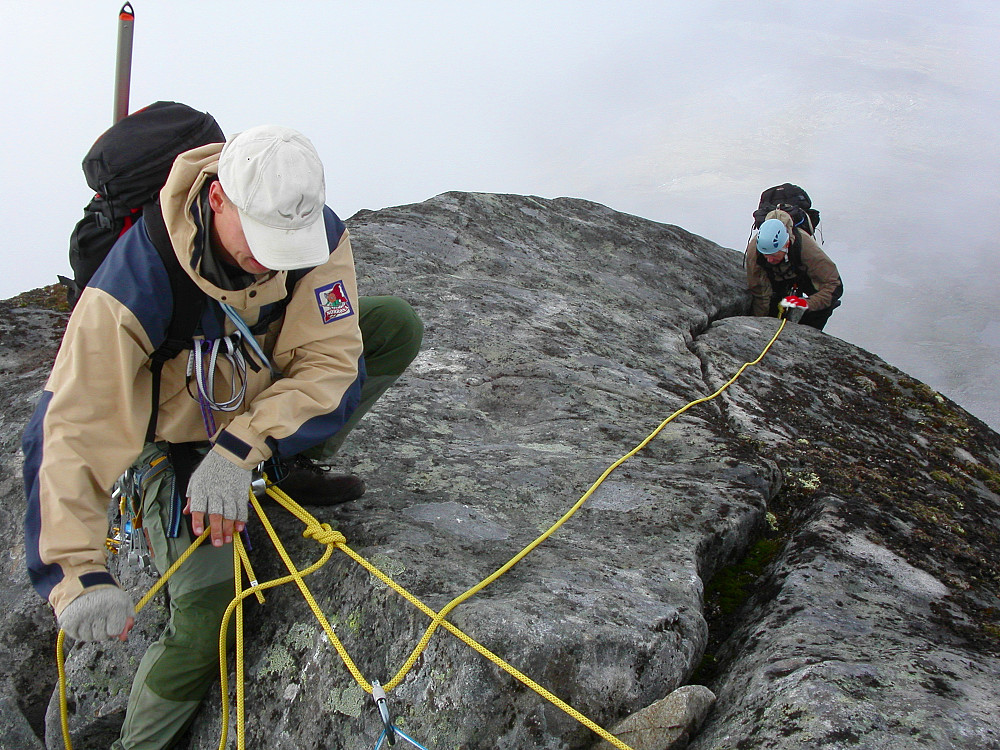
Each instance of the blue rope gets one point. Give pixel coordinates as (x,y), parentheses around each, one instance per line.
(401,733)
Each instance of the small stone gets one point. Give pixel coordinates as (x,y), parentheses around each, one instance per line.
(667,724)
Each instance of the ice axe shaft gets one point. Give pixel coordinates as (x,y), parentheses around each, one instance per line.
(123,62)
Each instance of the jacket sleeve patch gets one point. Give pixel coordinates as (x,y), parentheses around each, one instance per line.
(234,445)
(97,578)
(333,302)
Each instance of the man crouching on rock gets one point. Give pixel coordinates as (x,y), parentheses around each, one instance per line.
(240,216)
(786,267)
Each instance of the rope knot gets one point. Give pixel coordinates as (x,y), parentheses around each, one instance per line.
(324,533)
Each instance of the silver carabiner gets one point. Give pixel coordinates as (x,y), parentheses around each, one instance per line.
(389,730)
(258,485)
(378,694)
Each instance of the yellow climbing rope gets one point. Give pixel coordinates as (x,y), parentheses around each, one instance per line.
(313,529)
(439,618)
(61,639)
(332,539)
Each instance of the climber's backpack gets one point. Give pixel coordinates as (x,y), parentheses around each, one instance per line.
(126,167)
(794,201)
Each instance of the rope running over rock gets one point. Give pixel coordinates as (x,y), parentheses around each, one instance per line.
(325,535)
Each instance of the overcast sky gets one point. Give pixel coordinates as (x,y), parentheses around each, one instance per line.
(884,110)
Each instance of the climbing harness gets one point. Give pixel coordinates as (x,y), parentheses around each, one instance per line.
(127,538)
(331,539)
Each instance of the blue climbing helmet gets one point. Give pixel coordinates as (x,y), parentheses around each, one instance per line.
(771,237)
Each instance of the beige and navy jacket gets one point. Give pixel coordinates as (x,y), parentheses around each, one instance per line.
(91,420)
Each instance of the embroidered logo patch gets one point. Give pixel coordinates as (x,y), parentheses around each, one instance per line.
(333,302)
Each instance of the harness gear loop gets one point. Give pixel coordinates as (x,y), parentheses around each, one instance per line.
(204,376)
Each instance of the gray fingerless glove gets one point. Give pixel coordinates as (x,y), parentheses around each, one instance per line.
(97,615)
(220,486)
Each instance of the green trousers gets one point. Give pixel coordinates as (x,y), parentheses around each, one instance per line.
(177,671)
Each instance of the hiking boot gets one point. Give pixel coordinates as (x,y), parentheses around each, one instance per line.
(310,483)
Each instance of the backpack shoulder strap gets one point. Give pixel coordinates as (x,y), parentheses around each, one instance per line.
(189,300)
(795,251)
(189,303)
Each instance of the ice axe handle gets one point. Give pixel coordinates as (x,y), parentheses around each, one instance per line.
(123,62)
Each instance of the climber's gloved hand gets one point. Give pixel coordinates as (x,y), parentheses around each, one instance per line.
(791,302)
(219,489)
(98,614)
(793,308)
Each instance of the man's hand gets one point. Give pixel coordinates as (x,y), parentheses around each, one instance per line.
(793,308)
(789,302)
(219,489)
(99,614)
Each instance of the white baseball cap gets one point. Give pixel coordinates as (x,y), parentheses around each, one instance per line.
(274,177)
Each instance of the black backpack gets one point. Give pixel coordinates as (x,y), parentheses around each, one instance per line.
(126,167)
(791,199)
